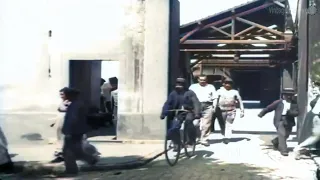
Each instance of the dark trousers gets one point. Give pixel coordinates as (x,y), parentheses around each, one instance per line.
(191,129)
(218,115)
(283,132)
(174,130)
(72,151)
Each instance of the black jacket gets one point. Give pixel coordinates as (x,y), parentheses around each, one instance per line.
(75,122)
(176,100)
(277,106)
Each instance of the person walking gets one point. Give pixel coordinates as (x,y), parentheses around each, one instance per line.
(226,102)
(58,125)
(285,110)
(314,116)
(74,128)
(205,93)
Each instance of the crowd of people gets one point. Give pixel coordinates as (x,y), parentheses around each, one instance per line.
(221,104)
(201,100)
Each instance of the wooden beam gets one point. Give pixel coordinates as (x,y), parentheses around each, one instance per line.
(231,50)
(231,61)
(233,25)
(185,37)
(221,31)
(279,4)
(238,65)
(260,26)
(244,31)
(224,27)
(195,63)
(239,15)
(234,41)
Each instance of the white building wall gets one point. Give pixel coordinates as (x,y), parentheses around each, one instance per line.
(80,30)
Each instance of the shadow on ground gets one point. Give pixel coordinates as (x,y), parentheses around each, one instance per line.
(255,132)
(32,137)
(36,170)
(201,166)
(231,140)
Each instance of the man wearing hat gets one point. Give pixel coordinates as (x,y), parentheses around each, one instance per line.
(227,103)
(285,110)
(205,93)
(181,98)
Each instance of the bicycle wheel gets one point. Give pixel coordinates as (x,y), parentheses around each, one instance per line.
(189,148)
(172,151)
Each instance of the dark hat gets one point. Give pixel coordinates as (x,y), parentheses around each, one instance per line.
(113,80)
(288,91)
(228,80)
(180,82)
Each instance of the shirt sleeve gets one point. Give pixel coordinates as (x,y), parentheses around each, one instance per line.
(239,100)
(316,109)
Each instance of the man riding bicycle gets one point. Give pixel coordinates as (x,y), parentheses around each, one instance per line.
(187,101)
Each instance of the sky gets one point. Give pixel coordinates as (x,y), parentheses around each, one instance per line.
(191,10)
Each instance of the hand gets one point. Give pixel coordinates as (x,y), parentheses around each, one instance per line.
(162,117)
(52,124)
(259,115)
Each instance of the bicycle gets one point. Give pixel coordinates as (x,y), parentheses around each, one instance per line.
(173,140)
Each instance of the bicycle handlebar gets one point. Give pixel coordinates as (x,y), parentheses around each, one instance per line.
(183,110)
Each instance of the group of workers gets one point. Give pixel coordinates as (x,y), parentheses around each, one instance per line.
(220,104)
(208,104)
(201,100)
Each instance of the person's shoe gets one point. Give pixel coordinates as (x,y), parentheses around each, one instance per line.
(57,160)
(274,146)
(284,153)
(94,161)
(225,141)
(297,155)
(175,148)
(204,143)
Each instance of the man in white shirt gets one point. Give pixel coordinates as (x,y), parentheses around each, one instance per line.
(106,93)
(227,103)
(206,94)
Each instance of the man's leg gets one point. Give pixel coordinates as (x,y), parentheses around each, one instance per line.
(230,115)
(205,124)
(282,134)
(191,129)
(213,120)
(275,143)
(69,155)
(73,150)
(221,121)
(60,138)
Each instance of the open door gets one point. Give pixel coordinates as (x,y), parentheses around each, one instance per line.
(85,75)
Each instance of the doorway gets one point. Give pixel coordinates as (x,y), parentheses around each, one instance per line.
(247,82)
(87,75)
